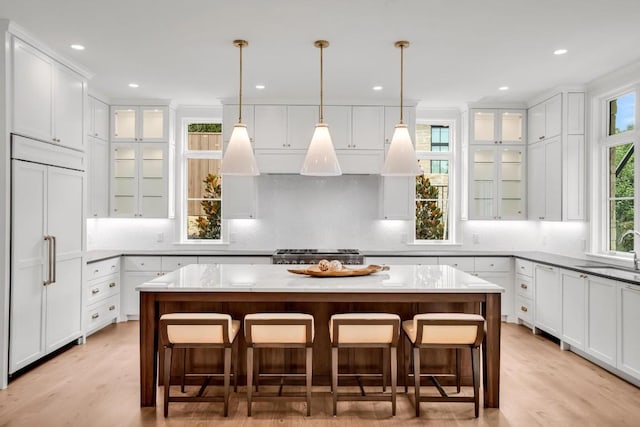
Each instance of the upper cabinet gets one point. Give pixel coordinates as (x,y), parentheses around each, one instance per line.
(98,119)
(48,98)
(368,127)
(497,126)
(270,127)
(139,123)
(545,119)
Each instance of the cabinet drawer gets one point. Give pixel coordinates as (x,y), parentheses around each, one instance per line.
(100,289)
(524,286)
(524,309)
(102,313)
(461,263)
(524,267)
(143,263)
(402,260)
(171,263)
(493,264)
(103,268)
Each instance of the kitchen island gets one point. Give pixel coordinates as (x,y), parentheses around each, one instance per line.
(243,288)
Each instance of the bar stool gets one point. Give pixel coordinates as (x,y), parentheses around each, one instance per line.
(365,330)
(199,330)
(444,330)
(278,330)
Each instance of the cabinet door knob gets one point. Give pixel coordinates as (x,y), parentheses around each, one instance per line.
(523,286)
(523,308)
(95,316)
(95,134)
(112,307)
(542,137)
(112,284)
(95,291)
(96,271)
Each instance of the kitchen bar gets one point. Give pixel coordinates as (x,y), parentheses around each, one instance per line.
(243,289)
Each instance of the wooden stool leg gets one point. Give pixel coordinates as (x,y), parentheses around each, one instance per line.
(458,368)
(475,367)
(394,378)
(334,378)
(416,378)
(227,379)
(184,369)
(249,378)
(256,368)
(234,348)
(168,354)
(406,352)
(309,374)
(385,368)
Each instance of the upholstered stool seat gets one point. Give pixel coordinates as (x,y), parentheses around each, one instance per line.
(365,330)
(199,330)
(278,330)
(444,330)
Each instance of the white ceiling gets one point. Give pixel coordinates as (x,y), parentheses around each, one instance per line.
(461,50)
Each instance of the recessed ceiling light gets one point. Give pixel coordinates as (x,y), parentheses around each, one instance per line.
(560,51)
(503,88)
(260,87)
(77,47)
(377,88)
(134,85)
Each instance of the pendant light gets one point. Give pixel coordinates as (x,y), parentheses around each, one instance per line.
(401,158)
(321,157)
(239,158)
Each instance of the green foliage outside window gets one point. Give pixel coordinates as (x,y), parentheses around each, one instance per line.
(429,224)
(205,127)
(209,224)
(621,194)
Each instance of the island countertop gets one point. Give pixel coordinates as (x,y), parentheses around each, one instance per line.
(276,278)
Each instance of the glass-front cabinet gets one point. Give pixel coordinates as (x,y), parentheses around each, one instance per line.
(497,126)
(139,123)
(139,174)
(497,185)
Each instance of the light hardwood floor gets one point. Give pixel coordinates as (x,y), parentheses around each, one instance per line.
(96,384)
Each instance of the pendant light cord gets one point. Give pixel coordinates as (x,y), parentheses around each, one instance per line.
(321,85)
(401,81)
(240,93)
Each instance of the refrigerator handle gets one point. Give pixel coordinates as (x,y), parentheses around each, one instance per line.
(54,260)
(49,257)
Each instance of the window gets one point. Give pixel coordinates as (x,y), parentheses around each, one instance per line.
(203,182)
(619,195)
(433,148)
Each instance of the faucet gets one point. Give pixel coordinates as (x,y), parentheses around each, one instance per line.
(636,261)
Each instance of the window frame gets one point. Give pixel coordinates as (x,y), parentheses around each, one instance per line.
(184,155)
(451,157)
(601,222)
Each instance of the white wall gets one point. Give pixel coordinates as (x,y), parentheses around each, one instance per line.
(336,212)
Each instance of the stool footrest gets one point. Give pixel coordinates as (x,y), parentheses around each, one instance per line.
(196,399)
(357,396)
(271,396)
(469,399)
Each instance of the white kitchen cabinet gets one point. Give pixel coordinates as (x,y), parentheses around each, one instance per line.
(137,270)
(602,316)
(545,119)
(172,263)
(545,180)
(234,259)
(401,260)
(524,291)
(392,118)
(497,184)
(131,123)
(98,178)
(48,98)
(230,118)
(547,299)
(628,336)
(101,294)
(98,119)
(367,131)
(301,122)
(270,127)
(338,117)
(46,273)
(574,300)
(239,198)
(497,126)
(499,270)
(397,197)
(465,264)
(139,186)
(574,190)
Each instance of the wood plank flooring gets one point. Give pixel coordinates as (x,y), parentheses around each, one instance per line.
(96,384)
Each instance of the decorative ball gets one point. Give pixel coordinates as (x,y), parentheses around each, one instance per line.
(323,265)
(335,265)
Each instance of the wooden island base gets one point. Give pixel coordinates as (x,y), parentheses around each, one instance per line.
(321,306)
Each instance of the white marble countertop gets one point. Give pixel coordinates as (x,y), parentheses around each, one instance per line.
(276,278)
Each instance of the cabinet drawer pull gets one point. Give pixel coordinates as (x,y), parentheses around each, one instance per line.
(522,267)
(523,286)
(96,271)
(542,137)
(112,284)
(112,307)
(545,267)
(95,316)
(95,291)
(523,308)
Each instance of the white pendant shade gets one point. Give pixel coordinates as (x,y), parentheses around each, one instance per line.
(239,158)
(401,159)
(321,159)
